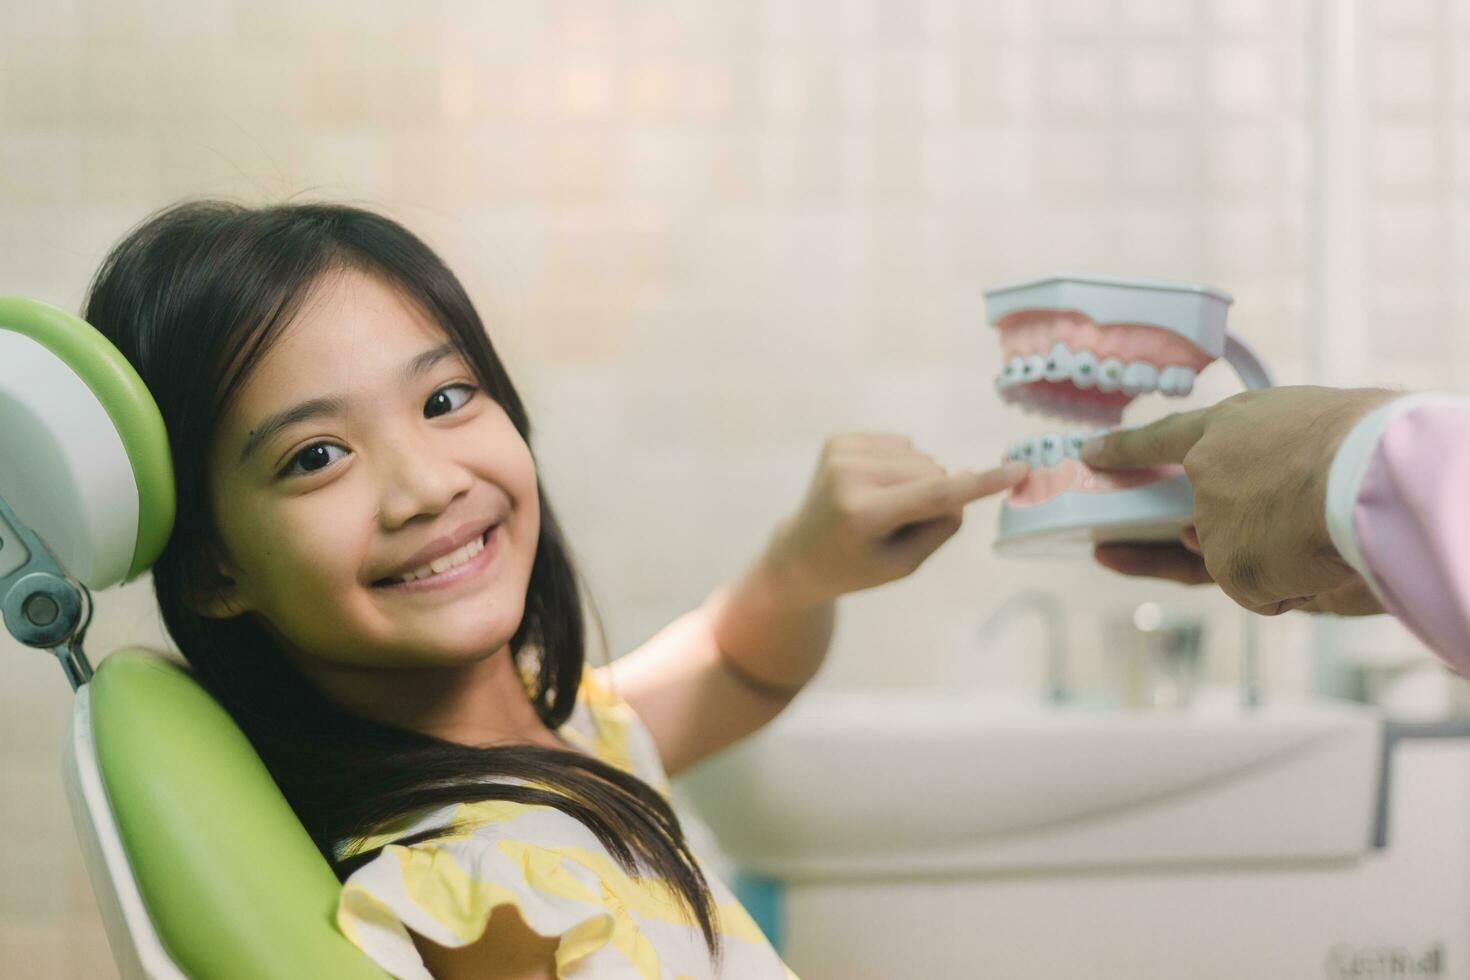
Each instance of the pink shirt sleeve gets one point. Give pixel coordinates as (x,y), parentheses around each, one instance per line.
(1398,509)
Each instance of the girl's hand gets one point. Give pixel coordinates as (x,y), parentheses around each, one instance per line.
(876,508)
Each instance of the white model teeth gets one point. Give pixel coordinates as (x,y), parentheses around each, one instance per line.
(1176,381)
(1139,378)
(1051,448)
(1058,363)
(451,560)
(1110,375)
(1084,369)
(1012,373)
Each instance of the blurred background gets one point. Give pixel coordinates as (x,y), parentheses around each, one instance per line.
(707,234)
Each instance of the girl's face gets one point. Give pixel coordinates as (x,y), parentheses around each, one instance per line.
(362,447)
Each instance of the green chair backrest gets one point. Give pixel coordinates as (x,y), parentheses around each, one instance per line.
(232,882)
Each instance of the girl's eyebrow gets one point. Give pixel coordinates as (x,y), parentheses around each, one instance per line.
(335,404)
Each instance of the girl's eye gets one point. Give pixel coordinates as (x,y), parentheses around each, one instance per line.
(441,398)
(313,459)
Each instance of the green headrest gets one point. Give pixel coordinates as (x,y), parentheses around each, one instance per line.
(234,886)
(84,455)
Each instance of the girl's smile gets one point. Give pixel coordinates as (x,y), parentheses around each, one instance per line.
(472,559)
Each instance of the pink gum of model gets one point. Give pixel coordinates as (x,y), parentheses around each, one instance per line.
(1044,482)
(1037,331)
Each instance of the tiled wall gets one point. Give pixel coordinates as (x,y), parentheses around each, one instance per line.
(1417,191)
(706,234)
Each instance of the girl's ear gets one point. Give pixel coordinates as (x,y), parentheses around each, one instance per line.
(216,604)
(215,594)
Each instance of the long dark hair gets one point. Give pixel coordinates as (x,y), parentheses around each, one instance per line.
(193,297)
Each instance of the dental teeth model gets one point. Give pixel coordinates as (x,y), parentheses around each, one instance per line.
(1082,348)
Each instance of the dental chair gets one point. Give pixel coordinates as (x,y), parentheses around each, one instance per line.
(199,866)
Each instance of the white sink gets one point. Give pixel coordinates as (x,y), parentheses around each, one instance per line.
(906,781)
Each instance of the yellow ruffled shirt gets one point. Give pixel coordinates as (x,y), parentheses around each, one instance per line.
(557,875)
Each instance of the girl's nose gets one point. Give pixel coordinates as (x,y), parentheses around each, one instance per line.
(419,477)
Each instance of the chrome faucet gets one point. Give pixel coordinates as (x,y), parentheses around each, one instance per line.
(1053,616)
(1250,661)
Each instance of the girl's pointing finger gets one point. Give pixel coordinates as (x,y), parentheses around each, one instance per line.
(933,497)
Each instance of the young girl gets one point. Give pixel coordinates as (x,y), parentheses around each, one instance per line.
(366,572)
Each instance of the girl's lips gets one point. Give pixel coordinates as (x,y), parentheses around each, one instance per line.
(454,576)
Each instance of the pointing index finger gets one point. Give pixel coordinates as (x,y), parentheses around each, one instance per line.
(1168,440)
(924,500)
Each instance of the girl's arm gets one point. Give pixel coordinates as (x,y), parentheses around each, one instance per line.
(876,509)
(723,670)
(507,950)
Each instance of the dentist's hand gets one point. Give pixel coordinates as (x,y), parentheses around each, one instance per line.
(876,508)
(1258,462)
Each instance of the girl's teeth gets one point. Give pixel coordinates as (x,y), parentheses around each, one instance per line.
(449,561)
